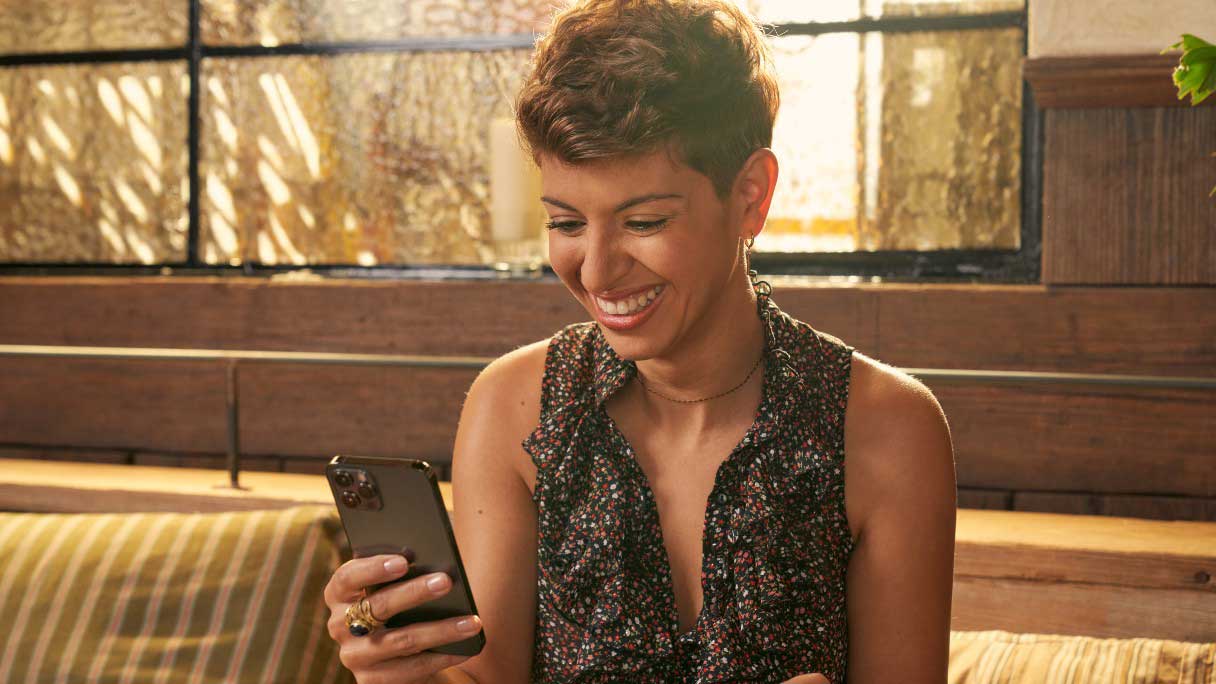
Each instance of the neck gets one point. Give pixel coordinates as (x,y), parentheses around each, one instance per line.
(714,356)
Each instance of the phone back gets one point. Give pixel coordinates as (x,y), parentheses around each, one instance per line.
(396,507)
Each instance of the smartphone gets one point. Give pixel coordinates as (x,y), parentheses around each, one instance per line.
(393,505)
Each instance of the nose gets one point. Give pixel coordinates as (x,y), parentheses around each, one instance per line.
(604,262)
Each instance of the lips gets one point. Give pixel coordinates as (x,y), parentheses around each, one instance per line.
(628,312)
(629,305)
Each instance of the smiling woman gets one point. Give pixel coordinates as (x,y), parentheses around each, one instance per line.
(659,494)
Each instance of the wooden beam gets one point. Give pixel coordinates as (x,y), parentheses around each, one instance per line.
(1148,330)
(1104,81)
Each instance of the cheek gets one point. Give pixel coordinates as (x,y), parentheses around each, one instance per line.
(563,257)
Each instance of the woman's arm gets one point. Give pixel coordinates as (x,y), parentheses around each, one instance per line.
(494,518)
(900,575)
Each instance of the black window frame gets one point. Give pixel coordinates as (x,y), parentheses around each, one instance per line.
(1022,265)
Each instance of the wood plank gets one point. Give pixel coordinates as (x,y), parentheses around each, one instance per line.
(1083,549)
(1082,439)
(1132,330)
(987,499)
(1125,197)
(1082,609)
(1124,506)
(1013,327)
(1074,503)
(1007,437)
(98,403)
(1104,81)
(308,410)
(103,487)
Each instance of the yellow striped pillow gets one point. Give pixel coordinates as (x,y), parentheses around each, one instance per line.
(168,598)
(999,657)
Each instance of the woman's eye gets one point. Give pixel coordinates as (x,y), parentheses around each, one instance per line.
(564,226)
(645,226)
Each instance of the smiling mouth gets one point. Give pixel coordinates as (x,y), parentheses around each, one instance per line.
(631,305)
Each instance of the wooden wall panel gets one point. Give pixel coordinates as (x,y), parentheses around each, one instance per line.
(1125,197)
(95,403)
(385,317)
(1018,445)
(1095,609)
(310,410)
(1082,439)
(1123,506)
(1144,330)
(988,499)
(1105,81)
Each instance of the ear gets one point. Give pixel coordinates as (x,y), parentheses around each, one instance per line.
(752,192)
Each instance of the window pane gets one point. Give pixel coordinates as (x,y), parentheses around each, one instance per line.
(898,141)
(781,11)
(273,22)
(943,140)
(93,163)
(69,25)
(815,139)
(355,159)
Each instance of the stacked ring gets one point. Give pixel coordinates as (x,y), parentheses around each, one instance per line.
(359,618)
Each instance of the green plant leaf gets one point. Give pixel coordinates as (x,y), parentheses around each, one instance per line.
(1195,74)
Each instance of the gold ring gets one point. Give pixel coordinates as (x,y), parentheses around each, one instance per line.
(359,618)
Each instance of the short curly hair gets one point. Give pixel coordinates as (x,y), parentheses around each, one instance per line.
(616,78)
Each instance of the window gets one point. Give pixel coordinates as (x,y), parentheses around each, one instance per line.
(351,137)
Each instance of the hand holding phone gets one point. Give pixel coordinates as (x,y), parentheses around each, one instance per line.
(392,510)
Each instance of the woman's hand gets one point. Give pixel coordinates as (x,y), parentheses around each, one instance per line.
(392,655)
(808,679)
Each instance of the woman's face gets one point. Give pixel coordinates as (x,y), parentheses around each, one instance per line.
(643,244)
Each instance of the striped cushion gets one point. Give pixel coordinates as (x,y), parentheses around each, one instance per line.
(998,657)
(168,597)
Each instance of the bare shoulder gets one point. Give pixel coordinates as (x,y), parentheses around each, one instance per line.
(901,501)
(506,397)
(896,438)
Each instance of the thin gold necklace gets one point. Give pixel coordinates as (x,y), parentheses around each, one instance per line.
(694,401)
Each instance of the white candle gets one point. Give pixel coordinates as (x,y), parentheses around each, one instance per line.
(515,209)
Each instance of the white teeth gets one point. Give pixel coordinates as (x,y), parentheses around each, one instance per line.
(631,305)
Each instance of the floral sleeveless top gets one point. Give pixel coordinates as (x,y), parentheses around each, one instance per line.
(776,540)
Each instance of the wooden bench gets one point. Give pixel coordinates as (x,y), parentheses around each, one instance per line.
(1016,571)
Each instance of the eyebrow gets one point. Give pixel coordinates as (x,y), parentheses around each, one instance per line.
(623,205)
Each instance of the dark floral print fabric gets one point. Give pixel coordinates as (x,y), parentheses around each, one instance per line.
(776,540)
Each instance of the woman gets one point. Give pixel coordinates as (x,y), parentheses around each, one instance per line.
(659,494)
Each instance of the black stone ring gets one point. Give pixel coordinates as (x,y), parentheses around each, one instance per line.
(359,618)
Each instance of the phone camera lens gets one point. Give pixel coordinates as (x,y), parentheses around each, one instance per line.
(343,479)
(367,489)
(351,499)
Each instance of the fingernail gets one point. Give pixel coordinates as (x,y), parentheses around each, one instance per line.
(395,564)
(437,582)
(469,624)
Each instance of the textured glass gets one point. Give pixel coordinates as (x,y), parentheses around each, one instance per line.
(93,163)
(814,207)
(943,138)
(70,25)
(274,22)
(780,11)
(897,141)
(366,159)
